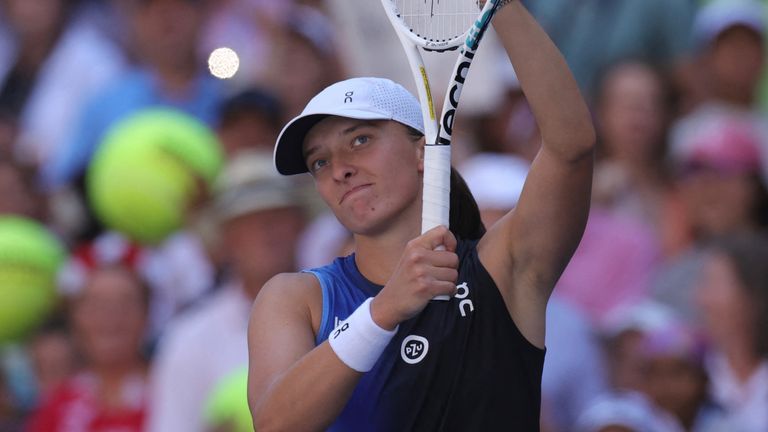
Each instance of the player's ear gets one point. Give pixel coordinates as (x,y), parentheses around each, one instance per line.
(417,139)
(420,152)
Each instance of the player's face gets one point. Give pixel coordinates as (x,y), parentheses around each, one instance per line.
(368,172)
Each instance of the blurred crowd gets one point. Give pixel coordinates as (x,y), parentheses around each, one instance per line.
(659,323)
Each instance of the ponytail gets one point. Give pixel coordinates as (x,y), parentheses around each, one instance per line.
(464,215)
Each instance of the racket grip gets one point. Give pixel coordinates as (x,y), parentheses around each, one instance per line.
(437,187)
(437,191)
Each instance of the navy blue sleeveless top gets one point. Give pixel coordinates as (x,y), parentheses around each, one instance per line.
(459,365)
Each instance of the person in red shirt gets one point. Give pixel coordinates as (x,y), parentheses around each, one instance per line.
(108,317)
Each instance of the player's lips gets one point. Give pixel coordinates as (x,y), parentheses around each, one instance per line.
(354,190)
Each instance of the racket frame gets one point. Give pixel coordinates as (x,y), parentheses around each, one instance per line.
(438,132)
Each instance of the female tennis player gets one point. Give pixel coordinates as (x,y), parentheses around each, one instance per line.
(360,344)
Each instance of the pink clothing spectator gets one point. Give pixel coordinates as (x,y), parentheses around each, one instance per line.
(612,266)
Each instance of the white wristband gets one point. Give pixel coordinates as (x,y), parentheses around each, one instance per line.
(358,341)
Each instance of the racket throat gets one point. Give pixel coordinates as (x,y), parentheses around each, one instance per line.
(451,103)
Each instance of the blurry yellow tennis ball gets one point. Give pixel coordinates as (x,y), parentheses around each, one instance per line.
(30,258)
(228,403)
(147,171)
(223,63)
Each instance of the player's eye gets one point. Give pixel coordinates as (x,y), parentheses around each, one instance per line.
(317,164)
(360,140)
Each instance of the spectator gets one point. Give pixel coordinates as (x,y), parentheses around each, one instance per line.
(621,247)
(593,34)
(260,218)
(729,35)
(51,351)
(304,58)
(574,371)
(56,57)
(496,181)
(108,317)
(718,191)
(8,134)
(18,195)
(658,381)
(613,266)
(632,110)
(510,127)
(177,272)
(733,297)
(623,332)
(673,375)
(323,240)
(249,120)
(626,412)
(10,415)
(169,74)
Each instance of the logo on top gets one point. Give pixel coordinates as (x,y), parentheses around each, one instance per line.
(414,349)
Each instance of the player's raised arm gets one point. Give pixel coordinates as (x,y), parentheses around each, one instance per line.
(527,250)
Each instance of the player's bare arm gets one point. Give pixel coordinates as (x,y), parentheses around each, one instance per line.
(293,385)
(527,250)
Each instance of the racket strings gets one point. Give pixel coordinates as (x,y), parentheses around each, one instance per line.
(438,20)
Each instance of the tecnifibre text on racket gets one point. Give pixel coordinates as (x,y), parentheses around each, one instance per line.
(439,25)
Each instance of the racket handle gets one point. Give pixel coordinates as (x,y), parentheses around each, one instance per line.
(437,191)
(437,187)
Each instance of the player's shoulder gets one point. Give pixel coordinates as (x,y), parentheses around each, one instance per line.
(290,284)
(295,289)
(286,295)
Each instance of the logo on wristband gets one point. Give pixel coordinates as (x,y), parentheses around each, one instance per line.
(414,349)
(339,330)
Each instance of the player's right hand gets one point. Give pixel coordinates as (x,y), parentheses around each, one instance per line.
(422,274)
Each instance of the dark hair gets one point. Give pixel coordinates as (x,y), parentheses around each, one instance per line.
(465,221)
(464,217)
(760,209)
(748,253)
(253,100)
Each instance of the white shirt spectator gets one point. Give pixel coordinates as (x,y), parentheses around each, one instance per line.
(745,403)
(200,348)
(630,410)
(82,63)
(573,368)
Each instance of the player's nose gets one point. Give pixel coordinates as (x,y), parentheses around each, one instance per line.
(343,169)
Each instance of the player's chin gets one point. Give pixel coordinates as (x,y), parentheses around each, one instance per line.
(366,223)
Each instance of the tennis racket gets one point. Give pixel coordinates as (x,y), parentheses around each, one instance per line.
(440,26)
